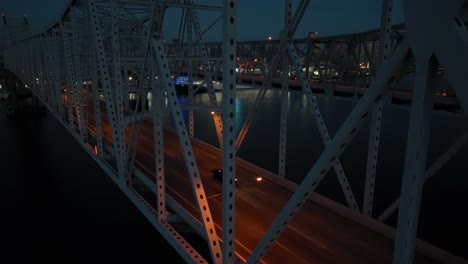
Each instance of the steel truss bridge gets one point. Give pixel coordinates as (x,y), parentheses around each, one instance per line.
(84,66)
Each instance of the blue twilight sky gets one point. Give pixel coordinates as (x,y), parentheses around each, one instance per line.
(257,19)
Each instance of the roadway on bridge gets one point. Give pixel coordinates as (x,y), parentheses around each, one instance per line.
(316,235)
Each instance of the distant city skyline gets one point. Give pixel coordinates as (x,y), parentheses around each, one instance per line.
(257,20)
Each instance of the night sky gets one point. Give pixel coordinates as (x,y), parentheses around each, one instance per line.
(257,19)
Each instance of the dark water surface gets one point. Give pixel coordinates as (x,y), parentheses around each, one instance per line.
(58,206)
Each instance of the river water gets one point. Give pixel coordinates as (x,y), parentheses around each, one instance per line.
(58,204)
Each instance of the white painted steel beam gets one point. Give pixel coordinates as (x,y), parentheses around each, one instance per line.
(39,59)
(75,47)
(75,99)
(46,79)
(376,115)
(185,143)
(29,62)
(118,93)
(229,131)
(54,84)
(99,147)
(425,32)
(118,26)
(112,110)
(415,159)
(158,135)
(69,80)
(207,73)
(283,129)
(431,28)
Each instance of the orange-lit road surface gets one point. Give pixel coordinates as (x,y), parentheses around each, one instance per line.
(322,231)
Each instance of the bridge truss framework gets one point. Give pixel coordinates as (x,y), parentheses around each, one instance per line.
(99,51)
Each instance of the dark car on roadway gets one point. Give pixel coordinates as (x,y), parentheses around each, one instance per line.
(218,174)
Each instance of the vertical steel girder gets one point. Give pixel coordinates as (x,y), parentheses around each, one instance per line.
(46,79)
(118,136)
(125,88)
(70,80)
(118,96)
(415,160)
(188,27)
(49,76)
(47,68)
(22,64)
(191,122)
(284,96)
(73,83)
(185,143)
(229,132)
(29,62)
(207,75)
(81,110)
(371,55)
(97,109)
(142,96)
(39,79)
(424,32)
(158,135)
(54,85)
(376,116)
(116,63)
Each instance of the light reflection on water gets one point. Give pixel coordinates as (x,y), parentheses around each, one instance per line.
(304,141)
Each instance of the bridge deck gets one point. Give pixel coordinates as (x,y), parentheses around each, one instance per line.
(322,232)
(318,234)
